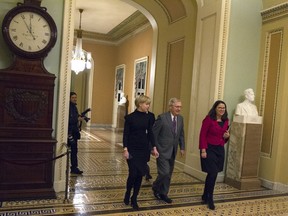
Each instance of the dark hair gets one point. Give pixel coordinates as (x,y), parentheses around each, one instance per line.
(72,93)
(212,112)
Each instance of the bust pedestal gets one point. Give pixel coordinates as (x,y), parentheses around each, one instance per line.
(244,152)
(121,111)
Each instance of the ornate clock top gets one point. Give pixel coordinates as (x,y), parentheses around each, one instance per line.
(33,2)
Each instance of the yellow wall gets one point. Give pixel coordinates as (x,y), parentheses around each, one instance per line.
(103,81)
(137,47)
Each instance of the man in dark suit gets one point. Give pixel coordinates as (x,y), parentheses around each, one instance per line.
(74,133)
(168,132)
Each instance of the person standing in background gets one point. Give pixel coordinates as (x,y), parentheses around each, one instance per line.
(168,132)
(74,133)
(137,137)
(213,135)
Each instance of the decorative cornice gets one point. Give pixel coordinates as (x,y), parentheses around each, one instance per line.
(273,13)
(129,25)
(133,22)
(33,2)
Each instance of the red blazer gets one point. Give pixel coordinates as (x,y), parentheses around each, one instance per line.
(212,133)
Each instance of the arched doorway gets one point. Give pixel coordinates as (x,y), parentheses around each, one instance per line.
(173,49)
(101,72)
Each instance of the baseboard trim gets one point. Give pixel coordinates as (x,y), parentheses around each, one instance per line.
(59,186)
(274,185)
(201,175)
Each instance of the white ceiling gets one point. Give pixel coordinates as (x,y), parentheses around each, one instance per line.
(101,16)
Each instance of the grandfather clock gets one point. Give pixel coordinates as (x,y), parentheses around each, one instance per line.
(26,105)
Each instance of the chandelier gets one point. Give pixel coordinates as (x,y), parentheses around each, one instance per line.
(81,59)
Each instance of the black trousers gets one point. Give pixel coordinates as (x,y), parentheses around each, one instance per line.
(73,155)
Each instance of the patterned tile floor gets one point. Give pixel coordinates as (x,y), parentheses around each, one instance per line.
(100,190)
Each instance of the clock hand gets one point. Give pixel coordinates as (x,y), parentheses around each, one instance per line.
(26,24)
(31,32)
(28,28)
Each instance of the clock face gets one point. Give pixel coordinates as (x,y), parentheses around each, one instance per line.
(29,31)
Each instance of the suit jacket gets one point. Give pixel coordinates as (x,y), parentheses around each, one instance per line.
(165,139)
(212,133)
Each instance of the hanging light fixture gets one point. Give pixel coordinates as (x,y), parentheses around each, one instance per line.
(81,59)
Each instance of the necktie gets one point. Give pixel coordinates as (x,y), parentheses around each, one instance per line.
(174,124)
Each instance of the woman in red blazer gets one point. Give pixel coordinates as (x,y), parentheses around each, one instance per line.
(213,135)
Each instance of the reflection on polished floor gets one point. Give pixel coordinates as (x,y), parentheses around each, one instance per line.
(101,189)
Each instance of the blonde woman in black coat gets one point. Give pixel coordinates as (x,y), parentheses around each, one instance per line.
(136,140)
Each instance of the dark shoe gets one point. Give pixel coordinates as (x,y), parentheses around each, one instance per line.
(210,202)
(165,198)
(156,194)
(211,205)
(127,198)
(76,171)
(134,205)
(204,199)
(148,177)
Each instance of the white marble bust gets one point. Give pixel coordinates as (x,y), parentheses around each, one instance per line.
(123,99)
(247,107)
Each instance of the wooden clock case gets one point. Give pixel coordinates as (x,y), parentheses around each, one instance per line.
(27,147)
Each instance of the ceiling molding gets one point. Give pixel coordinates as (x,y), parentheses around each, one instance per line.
(276,12)
(129,25)
(116,43)
(125,28)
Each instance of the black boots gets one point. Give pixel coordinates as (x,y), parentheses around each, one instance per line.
(204,199)
(210,202)
(127,198)
(208,199)
(134,203)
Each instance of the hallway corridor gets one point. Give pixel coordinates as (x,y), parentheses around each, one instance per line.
(101,189)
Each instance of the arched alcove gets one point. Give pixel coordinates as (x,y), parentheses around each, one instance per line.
(172,54)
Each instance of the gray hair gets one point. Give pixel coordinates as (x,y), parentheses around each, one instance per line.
(172,101)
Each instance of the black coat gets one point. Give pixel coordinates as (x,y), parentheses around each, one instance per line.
(138,138)
(73,127)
